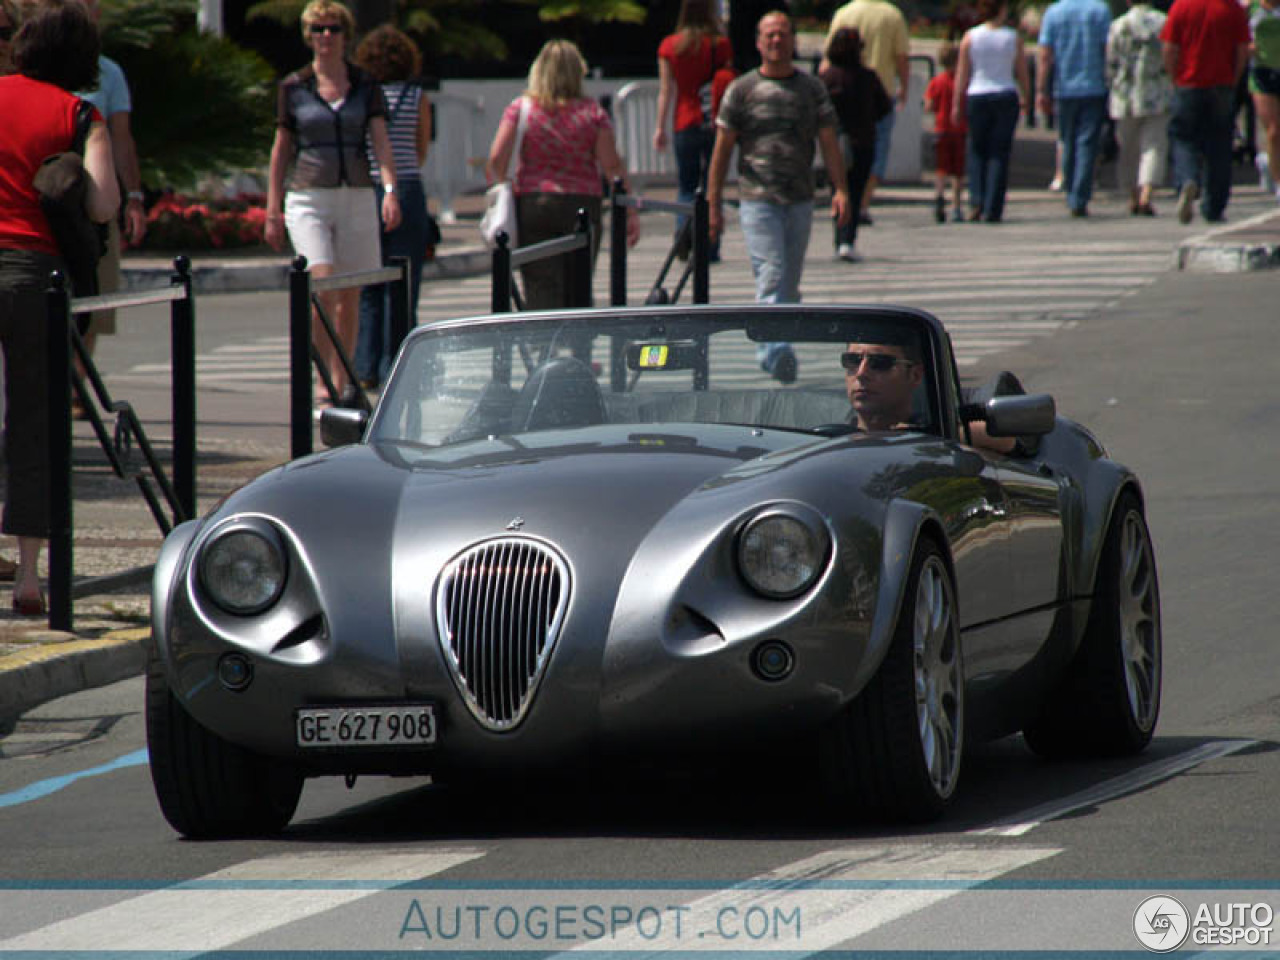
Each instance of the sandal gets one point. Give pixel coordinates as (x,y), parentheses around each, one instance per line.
(30,606)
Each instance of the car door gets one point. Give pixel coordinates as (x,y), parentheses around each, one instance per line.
(1032,494)
(976,515)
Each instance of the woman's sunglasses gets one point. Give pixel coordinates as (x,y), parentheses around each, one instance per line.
(879,362)
(325,28)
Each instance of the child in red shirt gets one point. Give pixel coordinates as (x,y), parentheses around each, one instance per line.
(948,138)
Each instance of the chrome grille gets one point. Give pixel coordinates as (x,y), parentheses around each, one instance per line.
(499,608)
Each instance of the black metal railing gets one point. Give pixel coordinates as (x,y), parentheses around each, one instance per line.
(180,494)
(304,298)
(694,235)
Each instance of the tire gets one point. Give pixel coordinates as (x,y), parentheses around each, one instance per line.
(895,752)
(1109,701)
(209,788)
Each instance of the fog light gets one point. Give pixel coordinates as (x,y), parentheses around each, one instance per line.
(773,660)
(235,671)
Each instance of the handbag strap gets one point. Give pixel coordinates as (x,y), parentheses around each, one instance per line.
(84,120)
(520,127)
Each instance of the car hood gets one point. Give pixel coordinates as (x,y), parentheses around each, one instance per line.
(600,487)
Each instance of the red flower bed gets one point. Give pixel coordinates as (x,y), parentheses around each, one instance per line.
(179,222)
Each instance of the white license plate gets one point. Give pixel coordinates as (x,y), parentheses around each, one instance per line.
(367,726)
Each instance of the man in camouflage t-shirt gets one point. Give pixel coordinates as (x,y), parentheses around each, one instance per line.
(773,114)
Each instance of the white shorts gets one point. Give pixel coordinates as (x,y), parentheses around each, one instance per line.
(338,226)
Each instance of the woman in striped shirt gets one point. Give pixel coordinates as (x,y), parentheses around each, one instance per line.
(393,60)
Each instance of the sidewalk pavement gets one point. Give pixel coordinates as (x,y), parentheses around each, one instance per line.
(38,664)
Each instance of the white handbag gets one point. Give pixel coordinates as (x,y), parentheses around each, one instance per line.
(500,199)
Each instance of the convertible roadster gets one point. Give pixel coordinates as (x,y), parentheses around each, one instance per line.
(572,535)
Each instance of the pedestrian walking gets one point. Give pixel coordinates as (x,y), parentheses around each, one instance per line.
(1140,94)
(885,49)
(1206,49)
(393,60)
(948,136)
(694,67)
(1264,85)
(56,52)
(325,112)
(566,147)
(860,101)
(112,98)
(992,82)
(1073,48)
(773,115)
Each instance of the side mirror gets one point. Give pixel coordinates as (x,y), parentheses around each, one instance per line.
(1028,415)
(340,426)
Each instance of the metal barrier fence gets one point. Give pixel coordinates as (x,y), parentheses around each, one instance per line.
(695,233)
(63,340)
(303,298)
(179,494)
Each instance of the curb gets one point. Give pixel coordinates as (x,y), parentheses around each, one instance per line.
(1239,248)
(49,670)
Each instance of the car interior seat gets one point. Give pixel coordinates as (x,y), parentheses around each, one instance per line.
(562,392)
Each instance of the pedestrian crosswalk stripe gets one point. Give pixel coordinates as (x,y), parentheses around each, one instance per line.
(231,905)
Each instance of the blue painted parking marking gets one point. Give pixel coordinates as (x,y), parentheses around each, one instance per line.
(43,788)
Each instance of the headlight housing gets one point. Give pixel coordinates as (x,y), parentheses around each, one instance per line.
(243,568)
(781,552)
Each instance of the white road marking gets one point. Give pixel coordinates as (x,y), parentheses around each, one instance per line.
(223,908)
(1144,776)
(840,895)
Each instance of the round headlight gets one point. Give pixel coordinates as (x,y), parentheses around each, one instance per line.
(780,555)
(243,571)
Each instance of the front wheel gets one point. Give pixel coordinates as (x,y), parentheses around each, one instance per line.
(1110,699)
(208,787)
(896,751)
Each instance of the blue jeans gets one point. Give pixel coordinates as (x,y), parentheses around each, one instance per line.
(884,140)
(993,118)
(777,238)
(693,159)
(1079,129)
(1201,128)
(374,349)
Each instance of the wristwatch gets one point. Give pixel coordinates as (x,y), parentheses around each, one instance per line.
(136,195)
(389,188)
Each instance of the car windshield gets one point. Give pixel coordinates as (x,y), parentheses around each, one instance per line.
(459,382)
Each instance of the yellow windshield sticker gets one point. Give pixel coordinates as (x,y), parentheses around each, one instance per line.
(653,356)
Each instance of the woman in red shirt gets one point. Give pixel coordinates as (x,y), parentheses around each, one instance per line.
(688,63)
(55,52)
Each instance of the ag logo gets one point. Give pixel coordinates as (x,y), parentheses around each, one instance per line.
(1161,923)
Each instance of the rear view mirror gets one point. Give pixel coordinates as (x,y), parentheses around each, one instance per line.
(340,426)
(1028,415)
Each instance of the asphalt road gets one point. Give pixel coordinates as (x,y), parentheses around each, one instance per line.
(1175,377)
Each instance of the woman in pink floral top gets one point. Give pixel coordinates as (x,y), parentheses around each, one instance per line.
(568,146)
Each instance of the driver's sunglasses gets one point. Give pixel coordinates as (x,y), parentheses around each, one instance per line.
(329,28)
(879,362)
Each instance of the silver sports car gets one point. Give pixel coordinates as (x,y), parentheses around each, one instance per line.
(572,535)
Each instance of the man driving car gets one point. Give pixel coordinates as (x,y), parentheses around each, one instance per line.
(880,379)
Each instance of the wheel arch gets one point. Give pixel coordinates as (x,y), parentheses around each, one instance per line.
(906,523)
(1108,483)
